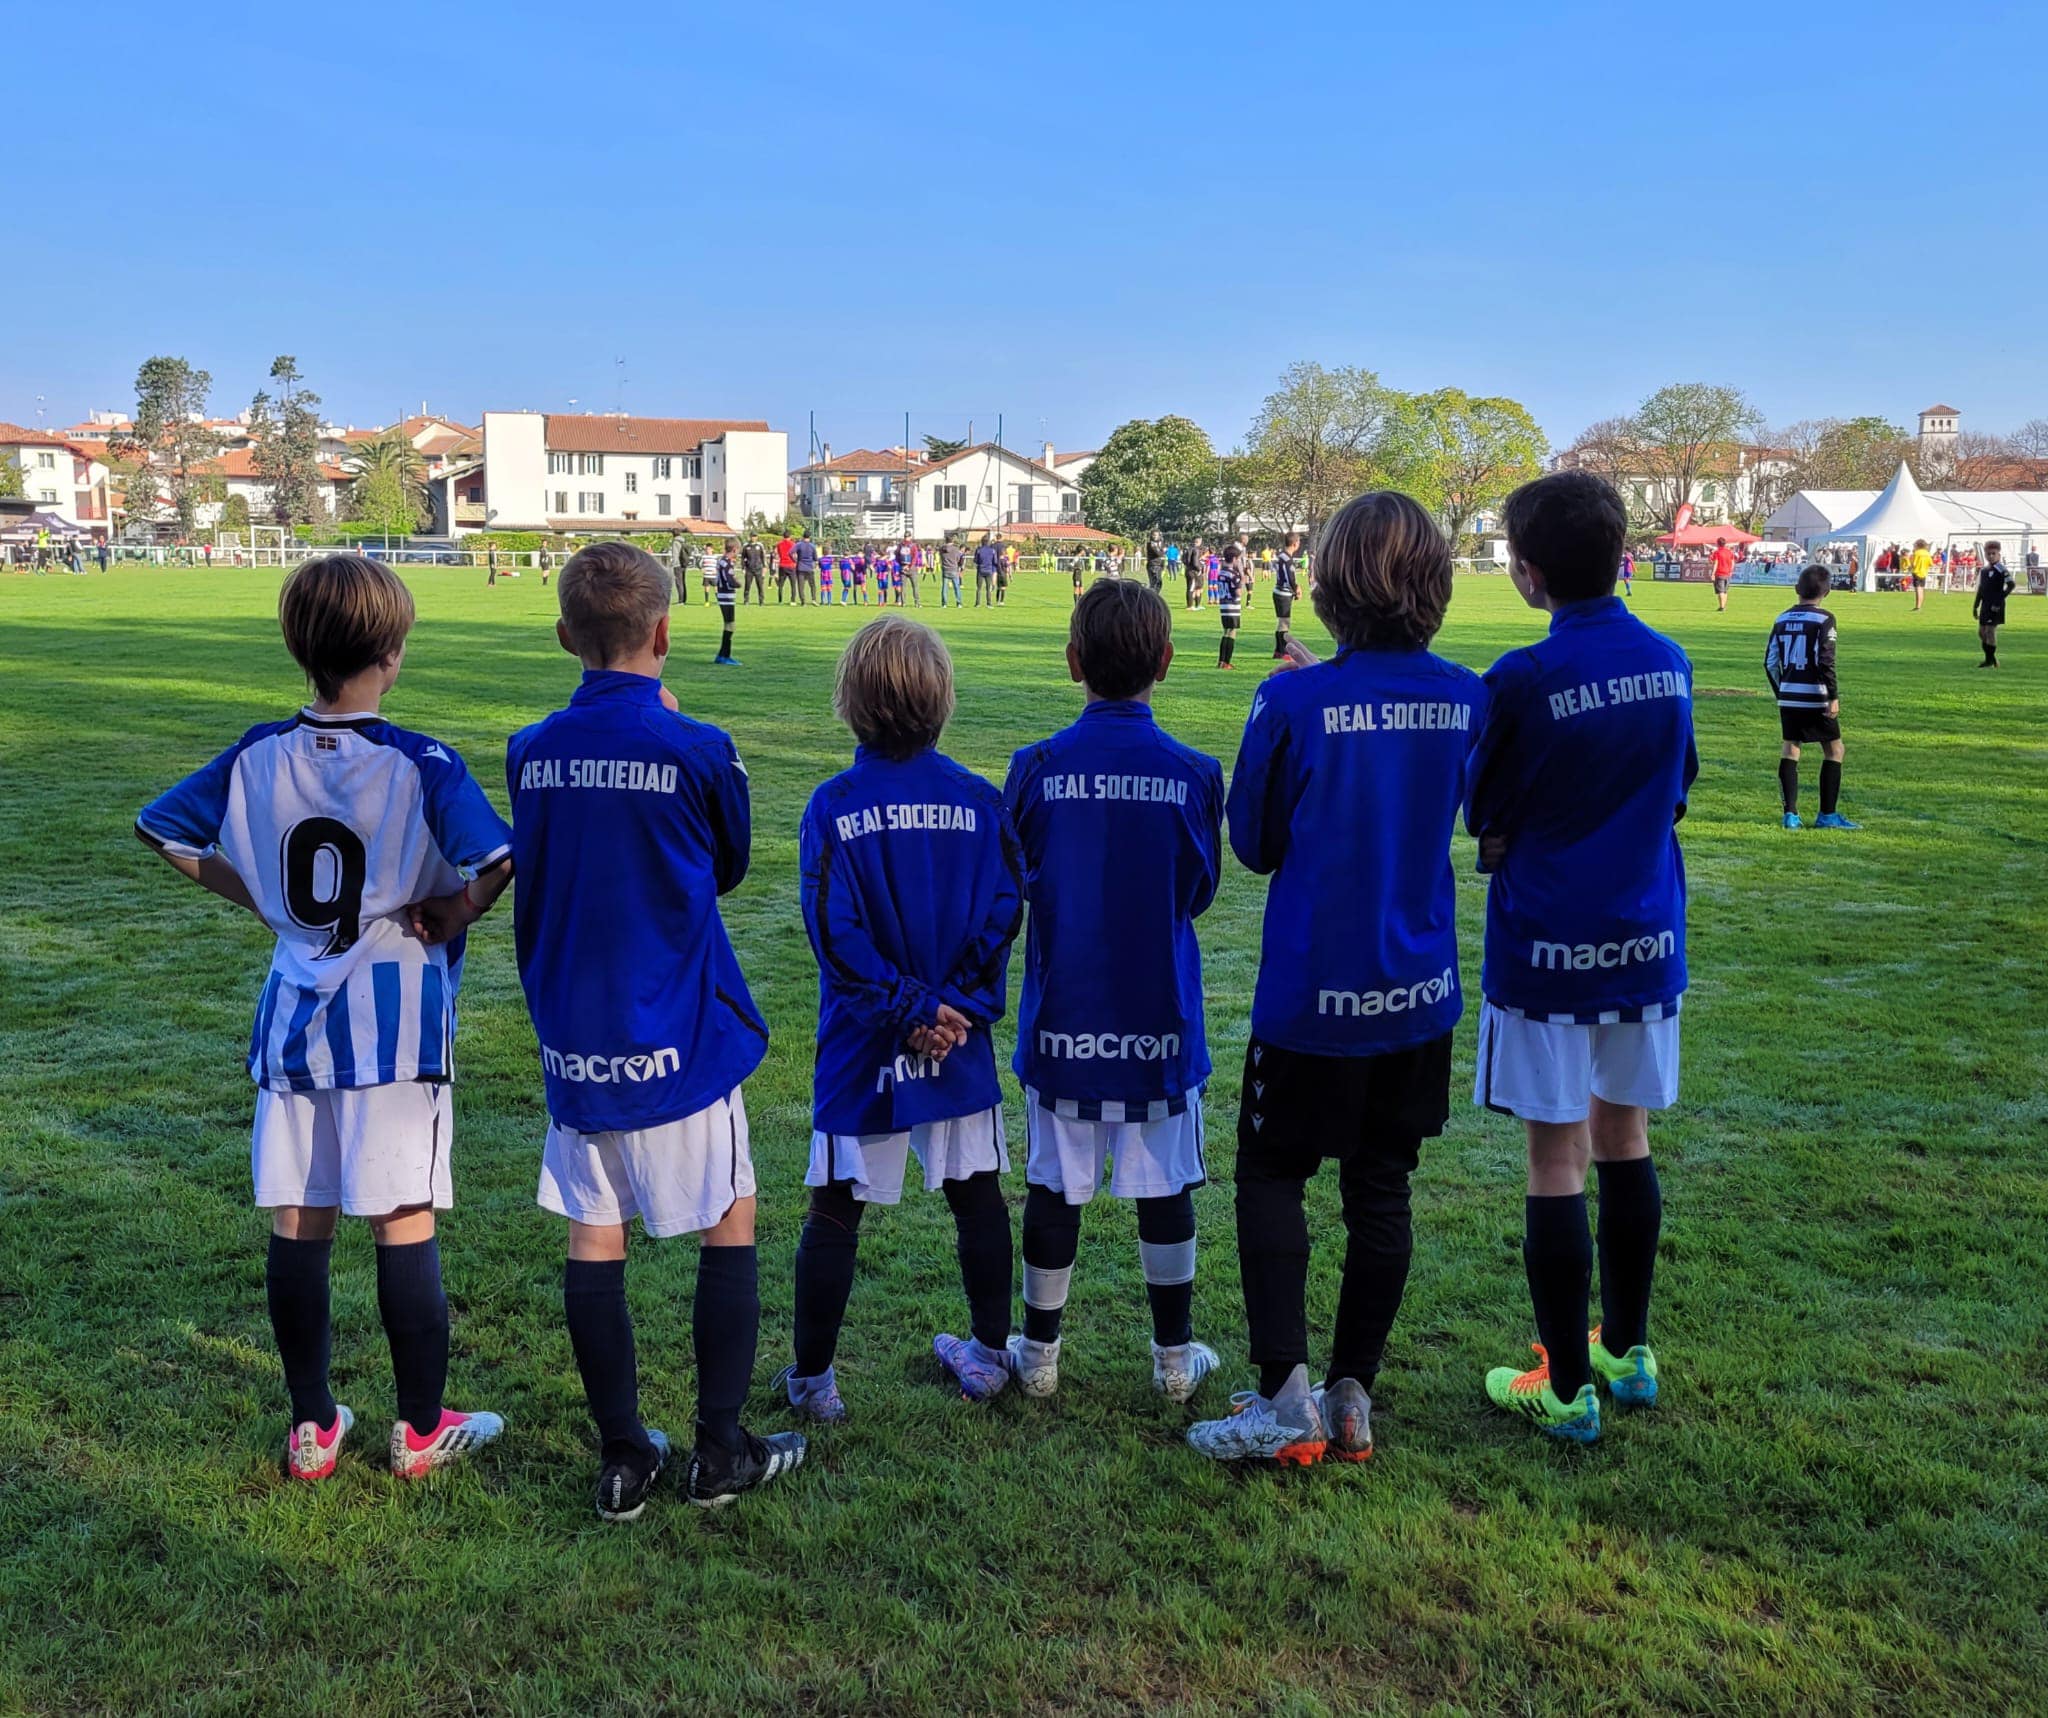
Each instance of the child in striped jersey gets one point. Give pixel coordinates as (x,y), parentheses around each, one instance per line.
(368,850)
(1230,582)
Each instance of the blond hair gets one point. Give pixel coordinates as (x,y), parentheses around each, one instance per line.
(341,614)
(1383,572)
(612,596)
(895,686)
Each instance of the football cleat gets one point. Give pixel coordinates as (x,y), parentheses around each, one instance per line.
(1834,820)
(1177,1372)
(623,1486)
(1347,1417)
(1287,1430)
(310,1452)
(814,1398)
(718,1476)
(1791,820)
(1530,1395)
(980,1372)
(458,1435)
(1631,1377)
(1035,1365)
(725,662)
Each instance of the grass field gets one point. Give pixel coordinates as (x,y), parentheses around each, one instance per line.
(1840,1505)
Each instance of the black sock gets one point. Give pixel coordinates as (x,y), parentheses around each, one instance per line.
(1166,1247)
(1229,646)
(982,1222)
(1830,785)
(1379,1243)
(1788,783)
(725,1325)
(825,1255)
(725,643)
(1631,1218)
(1557,1252)
(601,1333)
(1052,1236)
(414,1308)
(295,1277)
(1272,1260)
(1279,641)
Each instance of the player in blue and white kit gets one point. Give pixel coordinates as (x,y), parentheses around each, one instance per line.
(1111,1043)
(912,895)
(1578,781)
(629,821)
(1346,794)
(351,839)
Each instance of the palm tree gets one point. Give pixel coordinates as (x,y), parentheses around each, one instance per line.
(387,468)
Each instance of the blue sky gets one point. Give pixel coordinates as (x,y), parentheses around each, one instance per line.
(1070,216)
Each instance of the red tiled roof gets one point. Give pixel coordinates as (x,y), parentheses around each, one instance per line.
(591,432)
(986,447)
(1945,411)
(241,462)
(1060,532)
(869,459)
(14,435)
(1069,458)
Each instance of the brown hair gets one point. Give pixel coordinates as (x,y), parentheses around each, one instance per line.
(613,596)
(895,686)
(1119,632)
(341,614)
(1383,572)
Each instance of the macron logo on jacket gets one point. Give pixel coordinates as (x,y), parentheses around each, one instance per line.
(1110,1046)
(599,1069)
(1584,957)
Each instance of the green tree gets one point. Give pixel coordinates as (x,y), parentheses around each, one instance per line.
(1843,453)
(234,513)
(1240,490)
(287,451)
(1151,472)
(1323,436)
(1459,456)
(13,483)
(1687,433)
(170,436)
(942,447)
(389,487)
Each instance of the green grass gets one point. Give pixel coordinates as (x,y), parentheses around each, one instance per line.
(1840,1505)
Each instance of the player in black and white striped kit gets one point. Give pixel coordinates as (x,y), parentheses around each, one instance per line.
(1286,587)
(1230,601)
(1799,662)
(725,587)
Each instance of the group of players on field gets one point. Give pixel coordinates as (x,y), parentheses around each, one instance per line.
(369,850)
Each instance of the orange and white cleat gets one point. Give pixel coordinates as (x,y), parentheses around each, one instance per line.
(1286,1429)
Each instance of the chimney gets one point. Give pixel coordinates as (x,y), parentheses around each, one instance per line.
(1047,460)
(825,455)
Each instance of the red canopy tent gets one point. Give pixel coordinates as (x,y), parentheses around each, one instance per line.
(1706,536)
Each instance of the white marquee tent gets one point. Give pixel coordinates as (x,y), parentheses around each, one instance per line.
(1903,512)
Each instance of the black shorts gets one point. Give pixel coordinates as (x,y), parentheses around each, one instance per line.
(1808,727)
(1919,581)
(1230,622)
(1298,1108)
(1721,587)
(1991,615)
(1283,606)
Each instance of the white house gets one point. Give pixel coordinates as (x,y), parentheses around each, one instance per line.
(1068,465)
(893,492)
(596,472)
(60,476)
(1715,496)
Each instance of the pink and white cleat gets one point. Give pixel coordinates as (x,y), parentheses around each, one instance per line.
(458,1435)
(311,1450)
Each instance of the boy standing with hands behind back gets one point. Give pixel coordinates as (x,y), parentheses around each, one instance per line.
(1578,779)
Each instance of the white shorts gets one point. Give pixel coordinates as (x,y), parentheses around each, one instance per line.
(1550,1070)
(678,1179)
(948,1150)
(371,1150)
(1147,1159)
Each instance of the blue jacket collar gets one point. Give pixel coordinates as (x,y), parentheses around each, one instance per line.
(1591,611)
(611,683)
(1115,709)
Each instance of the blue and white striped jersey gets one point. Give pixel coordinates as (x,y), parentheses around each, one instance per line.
(336,824)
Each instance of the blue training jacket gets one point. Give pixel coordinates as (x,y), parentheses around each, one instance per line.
(628,822)
(1583,767)
(913,894)
(1122,832)
(1346,791)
